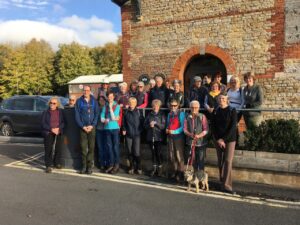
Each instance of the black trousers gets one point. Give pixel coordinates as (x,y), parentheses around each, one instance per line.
(155,147)
(133,150)
(52,153)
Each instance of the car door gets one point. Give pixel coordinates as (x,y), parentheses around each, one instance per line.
(23,110)
(40,105)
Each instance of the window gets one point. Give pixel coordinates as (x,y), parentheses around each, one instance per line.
(7,104)
(40,105)
(23,104)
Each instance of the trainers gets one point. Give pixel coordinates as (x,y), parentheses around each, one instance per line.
(159,171)
(115,170)
(82,171)
(109,169)
(131,171)
(58,166)
(48,170)
(139,172)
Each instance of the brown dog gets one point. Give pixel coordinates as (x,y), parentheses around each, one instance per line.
(200,177)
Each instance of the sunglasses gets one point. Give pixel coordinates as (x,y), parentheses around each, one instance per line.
(52,103)
(72,100)
(140,86)
(174,105)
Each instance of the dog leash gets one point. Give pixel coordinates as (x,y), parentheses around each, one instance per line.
(192,154)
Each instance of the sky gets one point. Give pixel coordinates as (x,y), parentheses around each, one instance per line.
(88,22)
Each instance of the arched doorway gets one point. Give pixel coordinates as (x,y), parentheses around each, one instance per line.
(199,65)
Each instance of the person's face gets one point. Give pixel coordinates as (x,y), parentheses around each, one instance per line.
(86,91)
(198,83)
(133,87)
(105,86)
(110,98)
(123,89)
(176,87)
(53,104)
(218,79)
(101,102)
(249,81)
(173,106)
(159,81)
(140,88)
(223,101)
(71,101)
(206,80)
(233,83)
(152,84)
(132,104)
(194,109)
(155,108)
(215,87)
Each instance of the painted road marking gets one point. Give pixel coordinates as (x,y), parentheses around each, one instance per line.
(36,164)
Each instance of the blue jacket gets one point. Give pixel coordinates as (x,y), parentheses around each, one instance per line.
(86,114)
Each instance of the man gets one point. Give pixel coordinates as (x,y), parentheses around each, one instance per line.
(72,101)
(104,88)
(159,92)
(198,92)
(207,81)
(86,115)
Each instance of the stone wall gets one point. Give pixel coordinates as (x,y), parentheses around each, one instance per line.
(257,35)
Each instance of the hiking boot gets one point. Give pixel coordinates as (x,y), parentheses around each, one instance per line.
(82,171)
(109,169)
(89,171)
(48,170)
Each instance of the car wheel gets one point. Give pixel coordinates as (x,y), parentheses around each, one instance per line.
(6,129)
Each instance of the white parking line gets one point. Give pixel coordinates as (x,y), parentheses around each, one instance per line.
(22,164)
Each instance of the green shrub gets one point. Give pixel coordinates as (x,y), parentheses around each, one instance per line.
(274,136)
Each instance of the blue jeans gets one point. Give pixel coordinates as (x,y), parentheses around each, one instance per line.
(112,138)
(103,154)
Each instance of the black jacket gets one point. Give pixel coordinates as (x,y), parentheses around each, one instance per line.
(178,96)
(132,122)
(224,124)
(45,123)
(158,131)
(160,93)
(198,94)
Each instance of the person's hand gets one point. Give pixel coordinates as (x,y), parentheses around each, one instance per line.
(55,131)
(121,105)
(85,129)
(90,128)
(126,106)
(198,136)
(111,105)
(106,121)
(168,131)
(221,143)
(152,123)
(124,132)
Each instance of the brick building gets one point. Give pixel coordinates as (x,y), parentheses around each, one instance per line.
(184,38)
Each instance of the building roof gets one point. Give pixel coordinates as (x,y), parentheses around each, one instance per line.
(120,2)
(97,79)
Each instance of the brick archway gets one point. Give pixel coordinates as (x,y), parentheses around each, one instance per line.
(183,60)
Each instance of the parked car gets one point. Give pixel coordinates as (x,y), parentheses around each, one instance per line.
(23,113)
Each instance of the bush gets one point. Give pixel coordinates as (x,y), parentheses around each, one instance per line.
(274,136)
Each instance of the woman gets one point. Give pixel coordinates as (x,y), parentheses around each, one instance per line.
(195,129)
(210,101)
(141,96)
(176,94)
(155,124)
(224,120)
(133,88)
(52,130)
(235,95)
(253,99)
(123,96)
(110,116)
(218,79)
(132,127)
(175,123)
(103,155)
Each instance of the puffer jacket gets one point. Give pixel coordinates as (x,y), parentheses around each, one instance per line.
(158,131)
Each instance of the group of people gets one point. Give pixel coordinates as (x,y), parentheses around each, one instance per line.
(212,106)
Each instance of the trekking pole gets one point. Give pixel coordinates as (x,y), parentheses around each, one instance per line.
(53,146)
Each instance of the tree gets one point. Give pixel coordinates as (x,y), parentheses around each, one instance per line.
(28,69)
(71,61)
(108,59)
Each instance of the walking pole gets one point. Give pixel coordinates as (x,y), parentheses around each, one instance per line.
(154,166)
(53,146)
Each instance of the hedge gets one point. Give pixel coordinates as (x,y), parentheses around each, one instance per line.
(274,135)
